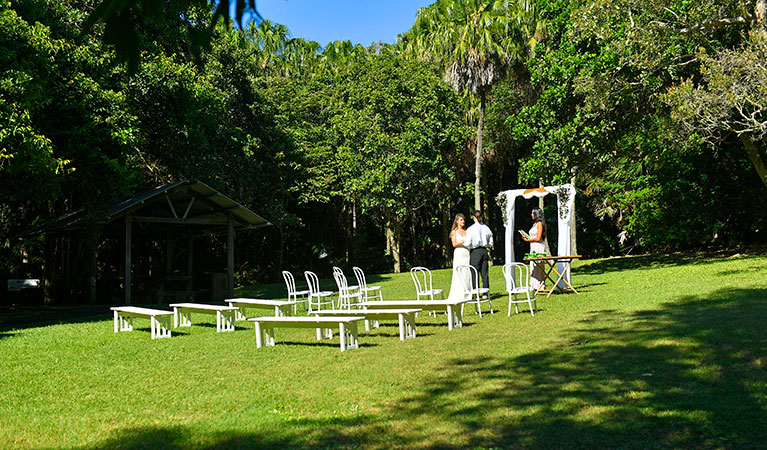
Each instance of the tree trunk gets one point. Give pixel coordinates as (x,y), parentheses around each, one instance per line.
(758,156)
(478,161)
(392,243)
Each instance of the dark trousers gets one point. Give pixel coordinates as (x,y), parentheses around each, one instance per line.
(481,261)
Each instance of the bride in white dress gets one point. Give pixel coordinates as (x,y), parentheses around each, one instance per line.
(458,238)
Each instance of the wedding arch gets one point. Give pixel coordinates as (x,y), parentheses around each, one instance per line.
(565,202)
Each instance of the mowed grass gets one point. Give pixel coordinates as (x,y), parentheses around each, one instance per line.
(656,352)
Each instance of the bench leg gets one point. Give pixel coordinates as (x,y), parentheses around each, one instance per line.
(219,320)
(351,340)
(164,326)
(259,335)
(117,319)
(411,325)
(319,334)
(402,333)
(342,333)
(238,315)
(153,326)
(270,336)
(226,320)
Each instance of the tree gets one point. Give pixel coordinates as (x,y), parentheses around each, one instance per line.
(123,20)
(477,41)
(731,95)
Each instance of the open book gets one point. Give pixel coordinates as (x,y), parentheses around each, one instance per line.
(524,235)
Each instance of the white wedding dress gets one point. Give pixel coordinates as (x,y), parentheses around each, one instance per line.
(460,258)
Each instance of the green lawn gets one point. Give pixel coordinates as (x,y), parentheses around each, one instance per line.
(656,352)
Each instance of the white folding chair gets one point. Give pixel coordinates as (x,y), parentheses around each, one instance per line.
(370,292)
(521,272)
(316,296)
(293,294)
(470,278)
(338,270)
(423,287)
(346,298)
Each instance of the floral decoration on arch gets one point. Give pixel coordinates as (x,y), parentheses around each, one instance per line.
(502,199)
(563,197)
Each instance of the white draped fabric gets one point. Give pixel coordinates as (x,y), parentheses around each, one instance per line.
(565,203)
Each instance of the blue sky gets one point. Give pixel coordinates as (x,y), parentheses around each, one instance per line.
(360,21)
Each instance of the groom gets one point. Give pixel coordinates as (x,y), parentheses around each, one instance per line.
(480,239)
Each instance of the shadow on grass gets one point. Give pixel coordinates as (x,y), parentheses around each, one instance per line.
(641,262)
(691,374)
(20,318)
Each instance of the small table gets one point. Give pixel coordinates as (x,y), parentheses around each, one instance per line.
(224,315)
(551,262)
(281,307)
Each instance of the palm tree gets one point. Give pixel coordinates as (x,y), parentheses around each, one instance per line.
(477,42)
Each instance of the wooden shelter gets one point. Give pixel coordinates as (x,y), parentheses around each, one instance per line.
(173,210)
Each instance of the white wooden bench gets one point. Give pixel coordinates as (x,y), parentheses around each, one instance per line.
(281,307)
(158,318)
(182,315)
(347,328)
(451,307)
(406,318)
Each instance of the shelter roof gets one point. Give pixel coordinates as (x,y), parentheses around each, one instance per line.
(187,202)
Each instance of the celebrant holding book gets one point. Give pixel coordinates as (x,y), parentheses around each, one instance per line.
(535,237)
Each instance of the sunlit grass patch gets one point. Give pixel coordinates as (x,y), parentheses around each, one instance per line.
(651,354)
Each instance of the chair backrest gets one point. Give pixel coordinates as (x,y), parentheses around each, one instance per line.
(422,278)
(313,282)
(360,275)
(290,282)
(343,285)
(517,275)
(468,275)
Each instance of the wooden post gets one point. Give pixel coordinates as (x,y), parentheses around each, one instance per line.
(190,262)
(127,259)
(230,257)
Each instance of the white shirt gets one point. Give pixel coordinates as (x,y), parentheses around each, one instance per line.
(479,235)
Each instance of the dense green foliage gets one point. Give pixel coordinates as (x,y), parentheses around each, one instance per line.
(363,155)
